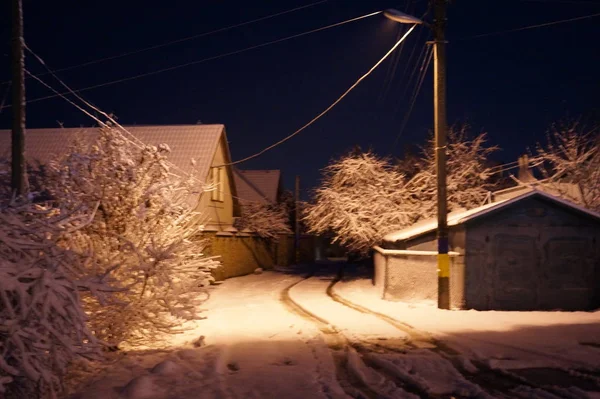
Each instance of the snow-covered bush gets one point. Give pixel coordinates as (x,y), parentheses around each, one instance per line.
(265,220)
(42,323)
(570,162)
(144,231)
(363,197)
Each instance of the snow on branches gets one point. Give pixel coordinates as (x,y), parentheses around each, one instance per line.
(363,197)
(467,173)
(43,326)
(570,162)
(265,220)
(144,231)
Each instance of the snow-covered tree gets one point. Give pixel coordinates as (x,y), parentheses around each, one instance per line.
(361,198)
(265,220)
(570,161)
(42,323)
(468,173)
(145,232)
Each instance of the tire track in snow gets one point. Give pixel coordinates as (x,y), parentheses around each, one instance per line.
(494,381)
(353,382)
(346,354)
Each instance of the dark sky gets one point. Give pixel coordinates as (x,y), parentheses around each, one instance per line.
(512,85)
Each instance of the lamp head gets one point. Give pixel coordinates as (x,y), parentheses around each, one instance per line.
(400,17)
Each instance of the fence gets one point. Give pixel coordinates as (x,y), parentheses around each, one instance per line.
(242,253)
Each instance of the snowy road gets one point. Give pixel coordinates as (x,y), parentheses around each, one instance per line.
(281,335)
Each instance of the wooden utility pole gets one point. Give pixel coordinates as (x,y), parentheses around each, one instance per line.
(440,125)
(18,177)
(297,221)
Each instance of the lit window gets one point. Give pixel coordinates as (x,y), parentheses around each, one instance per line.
(218,179)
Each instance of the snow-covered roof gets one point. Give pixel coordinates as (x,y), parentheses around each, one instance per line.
(570,191)
(257,185)
(187,142)
(459,217)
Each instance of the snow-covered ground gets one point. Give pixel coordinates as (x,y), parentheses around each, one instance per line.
(277,335)
(253,348)
(504,339)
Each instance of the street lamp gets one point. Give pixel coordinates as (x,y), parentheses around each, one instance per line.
(440,128)
(399,16)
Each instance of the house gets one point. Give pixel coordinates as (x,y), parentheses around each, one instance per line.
(259,186)
(206,145)
(533,251)
(240,252)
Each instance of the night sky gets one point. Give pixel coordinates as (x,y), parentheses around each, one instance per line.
(512,85)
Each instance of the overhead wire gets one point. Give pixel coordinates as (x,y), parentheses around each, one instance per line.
(176,41)
(562,21)
(391,71)
(420,59)
(313,120)
(5,96)
(414,96)
(126,79)
(132,139)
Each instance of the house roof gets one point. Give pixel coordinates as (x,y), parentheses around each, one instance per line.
(460,217)
(257,185)
(187,142)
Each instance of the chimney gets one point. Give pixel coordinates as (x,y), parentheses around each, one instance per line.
(525,175)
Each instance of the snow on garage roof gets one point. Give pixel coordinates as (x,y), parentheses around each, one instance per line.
(187,142)
(257,185)
(459,217)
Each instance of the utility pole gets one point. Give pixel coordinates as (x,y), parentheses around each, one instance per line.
(18,176)
(439,98)
(297,221)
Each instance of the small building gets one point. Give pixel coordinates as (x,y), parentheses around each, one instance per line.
(533,251)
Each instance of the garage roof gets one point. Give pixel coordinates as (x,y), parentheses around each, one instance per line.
(460,217)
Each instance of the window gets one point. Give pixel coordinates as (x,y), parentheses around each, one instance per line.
(218,180)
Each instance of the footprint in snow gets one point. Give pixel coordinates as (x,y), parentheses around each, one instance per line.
(233,367)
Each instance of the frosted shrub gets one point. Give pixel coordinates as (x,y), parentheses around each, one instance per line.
(265,220)
(42,323)
(571,159)
(144,231)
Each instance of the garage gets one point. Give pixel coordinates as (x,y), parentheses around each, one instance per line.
(531,252)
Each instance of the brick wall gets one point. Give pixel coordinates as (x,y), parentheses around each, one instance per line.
(241,254)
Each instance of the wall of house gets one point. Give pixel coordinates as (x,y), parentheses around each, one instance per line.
(218,213)
(241,254)
(533,255)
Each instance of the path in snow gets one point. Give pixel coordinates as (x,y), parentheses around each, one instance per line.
(255,348)
(279,335)
(561,360)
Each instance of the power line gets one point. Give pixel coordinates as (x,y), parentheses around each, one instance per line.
(202,60)
(530,27)
(328,108)
(416,91)
(136,141)
(184,39)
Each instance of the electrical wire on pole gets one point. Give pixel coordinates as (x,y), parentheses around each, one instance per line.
(177,41)
(216,57)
